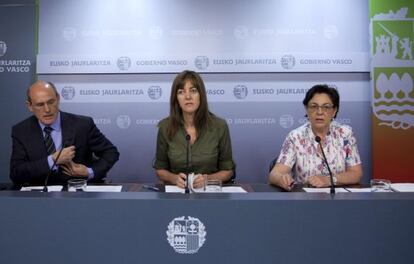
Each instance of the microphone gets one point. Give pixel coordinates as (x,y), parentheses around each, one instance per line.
(187,138)
(332,191)
(45,189)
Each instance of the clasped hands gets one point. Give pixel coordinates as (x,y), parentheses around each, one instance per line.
(68,166)
(318,181)
(199,180)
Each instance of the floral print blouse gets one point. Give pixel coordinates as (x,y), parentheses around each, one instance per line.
(300,151)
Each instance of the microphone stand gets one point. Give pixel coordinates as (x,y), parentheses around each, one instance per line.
(45,189)
(187,189)
(332,190)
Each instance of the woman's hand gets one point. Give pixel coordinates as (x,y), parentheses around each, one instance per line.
(199,181)
(286,181)
(281,176)
(319,181)
(180,180)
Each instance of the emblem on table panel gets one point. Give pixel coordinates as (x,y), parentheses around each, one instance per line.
(123,63)
(240,91)
(68,92)
(154,92)
(186,234)
(3,48)
(201,62)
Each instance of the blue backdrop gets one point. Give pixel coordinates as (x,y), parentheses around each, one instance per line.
(115,61)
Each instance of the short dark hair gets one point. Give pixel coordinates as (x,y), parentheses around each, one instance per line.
(323,89)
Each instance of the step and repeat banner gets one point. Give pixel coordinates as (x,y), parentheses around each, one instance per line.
(392,50)
(17,69)
(116,61)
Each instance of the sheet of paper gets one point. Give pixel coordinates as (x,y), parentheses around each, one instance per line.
(402,187)
(233,189)
(173,189)
(225,189)
(324,190)
(50,188)
(104,188)
(359,189)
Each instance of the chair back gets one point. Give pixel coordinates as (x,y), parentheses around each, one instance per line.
(272,164)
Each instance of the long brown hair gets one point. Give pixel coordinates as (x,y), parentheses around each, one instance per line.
(202,116)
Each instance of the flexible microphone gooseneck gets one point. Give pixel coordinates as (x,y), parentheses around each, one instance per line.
(332,191)
(187,189)
(45,189)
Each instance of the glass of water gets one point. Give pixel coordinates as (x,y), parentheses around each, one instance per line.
(76,185)
(380,185)
(213,186)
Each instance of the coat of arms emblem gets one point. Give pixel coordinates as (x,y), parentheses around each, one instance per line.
(186,234)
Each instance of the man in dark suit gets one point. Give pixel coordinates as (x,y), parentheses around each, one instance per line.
(37,141)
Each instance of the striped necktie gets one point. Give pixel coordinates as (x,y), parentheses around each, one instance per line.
(50,145)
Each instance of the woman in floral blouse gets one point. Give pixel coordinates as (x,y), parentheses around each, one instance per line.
(301,159)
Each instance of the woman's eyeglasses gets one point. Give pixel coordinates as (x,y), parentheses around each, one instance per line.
(324,108)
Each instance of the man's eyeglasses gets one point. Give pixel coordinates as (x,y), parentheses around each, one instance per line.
(324,108)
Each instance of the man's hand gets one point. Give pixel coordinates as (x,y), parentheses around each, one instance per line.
(66,155)
(74,169)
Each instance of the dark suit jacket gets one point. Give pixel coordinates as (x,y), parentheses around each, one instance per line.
(28,164)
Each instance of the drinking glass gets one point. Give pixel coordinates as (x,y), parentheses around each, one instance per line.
(213,186)
(76,185)
(380,185)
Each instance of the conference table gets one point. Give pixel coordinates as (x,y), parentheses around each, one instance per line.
(264,225)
